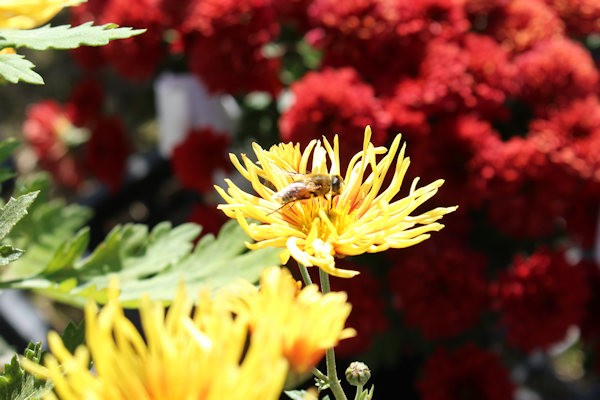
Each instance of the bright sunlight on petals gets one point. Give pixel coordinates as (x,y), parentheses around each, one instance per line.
(364,217)
(203,352)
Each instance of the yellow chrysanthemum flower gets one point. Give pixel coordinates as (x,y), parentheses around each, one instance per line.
(308,321)
(204,354)
(27,14)
(362,218)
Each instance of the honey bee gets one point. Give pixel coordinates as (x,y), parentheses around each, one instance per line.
(307,187)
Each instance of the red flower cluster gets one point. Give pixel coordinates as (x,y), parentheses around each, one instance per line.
(556,71)
(75,140)
(570,135)
(527,194)
(225,43)
(582,17)
(381,38)
(134,58)
(520,24)
(334,102)
(440,288)
(45,129)
(465,373)
(539,297)
(199,156)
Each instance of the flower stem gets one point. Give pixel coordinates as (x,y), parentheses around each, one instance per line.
(305,275)
(359,390)
(334,382)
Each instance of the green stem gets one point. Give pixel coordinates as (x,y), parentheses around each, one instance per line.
(305,275)
(359,390)
(320,375)
(334,382)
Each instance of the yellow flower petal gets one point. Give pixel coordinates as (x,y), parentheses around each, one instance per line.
(365,217)
(308,321)
(186,353)
(27,14)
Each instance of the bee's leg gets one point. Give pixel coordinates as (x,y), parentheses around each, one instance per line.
(289,203)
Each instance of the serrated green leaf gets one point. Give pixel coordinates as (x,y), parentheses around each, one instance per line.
(70,251)
(64,36)
(13,211)
(15,68)
(51,233)
(153,263)
(9,254)
(17,384)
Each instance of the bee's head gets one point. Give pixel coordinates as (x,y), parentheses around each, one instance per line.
(336,184)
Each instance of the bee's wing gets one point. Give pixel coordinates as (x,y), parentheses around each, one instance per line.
(311,185)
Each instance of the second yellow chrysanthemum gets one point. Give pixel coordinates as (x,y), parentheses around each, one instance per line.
(363,218)
(27,14)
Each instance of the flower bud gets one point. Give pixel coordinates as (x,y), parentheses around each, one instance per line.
(358,374)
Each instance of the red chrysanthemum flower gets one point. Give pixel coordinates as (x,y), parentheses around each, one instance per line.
(46,129)
(85,103)
(107,151)
(364,33)
(199,156)
(528,194)
(570,135)
(456,150)
(440,289)
(523,23)
(539,298)
(133,58)
(425,20)
(472,74)
(582,17)
(225,42)
(360,34)
(465,373)
(208,217)
(368,315)
(332,102)
(556,71)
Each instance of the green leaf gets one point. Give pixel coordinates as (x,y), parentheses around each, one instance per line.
(150,262)
(17,384)
(13,211)
(7,147)
(51,232)
(52,236)
(64,36)
(73,336)
(15,68)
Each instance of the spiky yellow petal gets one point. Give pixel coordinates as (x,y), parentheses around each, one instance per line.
(365,217)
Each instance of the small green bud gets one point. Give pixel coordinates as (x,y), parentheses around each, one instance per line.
(357,374)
